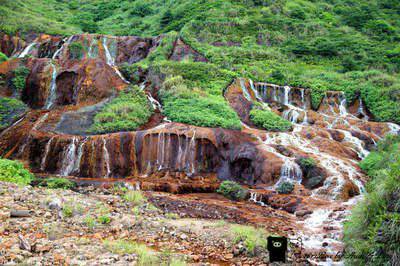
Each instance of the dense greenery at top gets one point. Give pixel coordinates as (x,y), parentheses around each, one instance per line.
(372,235)
(345,45)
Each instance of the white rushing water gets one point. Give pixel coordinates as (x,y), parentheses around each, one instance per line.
(106,157)
(53,88)
(77,164)
(111,60)
(46,153)
(253,198)
(246,93)
(69,158)
(66,43)
(27,49)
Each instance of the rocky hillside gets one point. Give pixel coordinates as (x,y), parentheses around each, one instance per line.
(283,98)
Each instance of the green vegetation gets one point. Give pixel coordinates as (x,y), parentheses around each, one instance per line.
(135,197)
(372,233)
(269,120)
(19,79)
(3,57)
(10,110)
(285,188)
(232,190)
(128,111)
(250,236)
(57,182)
(307,163)
(145,256)
(196,107)
(14,172)
(90,222)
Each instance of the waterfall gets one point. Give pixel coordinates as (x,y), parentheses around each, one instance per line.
(291,114)
(66,43)
(94,41)
(253,198)
(358,145)
(361,109)
(246,93)
(160,150)
(69,157)
(305,118)
(192,150)
(53,88)
(111,61)
(286,100)
(46,152)
(154,103)
(258,97)
(27,49)
(106,157)
(77,165)
(342,107)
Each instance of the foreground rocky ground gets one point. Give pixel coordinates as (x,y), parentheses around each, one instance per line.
(115,226)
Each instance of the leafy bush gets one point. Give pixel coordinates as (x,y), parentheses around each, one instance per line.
(285,188)
(307,163)
(126,112)
(62,183)
(10,110)
(232,190)
(19,79)
(371,235)
(14,172)
(269,120)
(104,219)
(3,57)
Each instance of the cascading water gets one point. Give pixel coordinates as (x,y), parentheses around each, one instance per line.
(77,164)
(46,152)
(27,49)
(40,121)
(342,107)
(69,158)
(154,103)
(246,93)
(66,43)
(253,198)
(357,144)
(111,61)
(360,110)
(286,95)
(53,88)
(106,157)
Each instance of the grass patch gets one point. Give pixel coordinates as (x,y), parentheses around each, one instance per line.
(126,112)
(3,57)
(145,256)
(59,183)
(135,197)
(14,172)
(250,236)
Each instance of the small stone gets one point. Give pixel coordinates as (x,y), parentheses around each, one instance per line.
(184,236)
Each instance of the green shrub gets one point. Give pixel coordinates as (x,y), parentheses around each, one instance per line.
(136,197)
(126,112)
(14,172)
(75,50)
(285,188)
(62,183)
(269,120)
(19,79)
(90,222)
(371,235)
(307,163)
(10,110)
(3,57)
(104,219)
(232,190)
